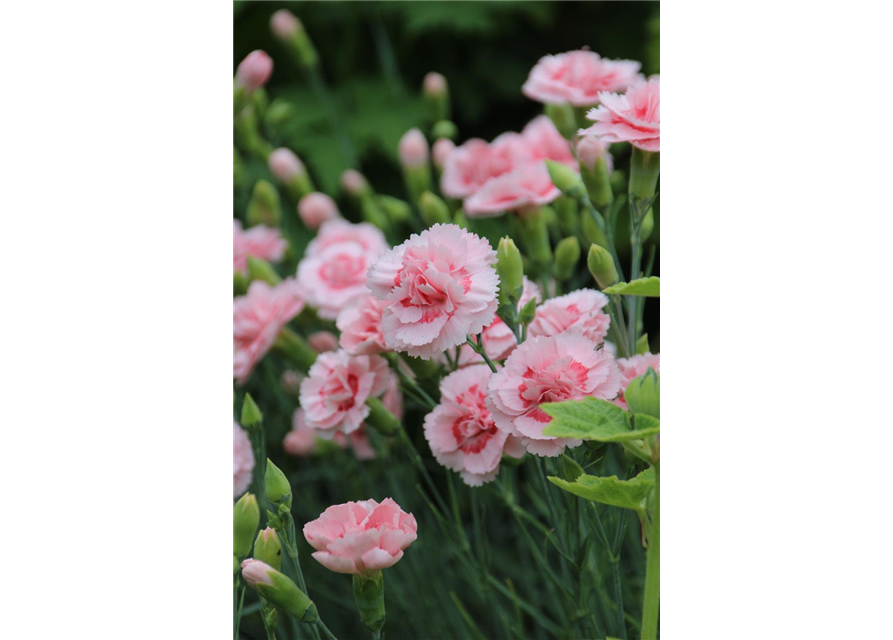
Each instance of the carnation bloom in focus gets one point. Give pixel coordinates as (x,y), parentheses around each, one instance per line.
(578,77)
(460,430)
(548,369)
(440,286)
(258,317)
(254,71)
(633,367)
(256,242)
(360,326)
(633,117)
(580,311)
(332,273)
(316,208)
(243,461)
(361,537)
(334,393)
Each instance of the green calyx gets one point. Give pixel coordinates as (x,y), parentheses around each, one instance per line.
(368,593)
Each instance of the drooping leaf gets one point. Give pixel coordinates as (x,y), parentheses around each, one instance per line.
(628,494)
(648,287)
(592,419)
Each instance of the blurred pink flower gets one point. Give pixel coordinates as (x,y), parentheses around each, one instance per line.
(360,326)
(285,165)
(525,187)
(257,242)
(439,285)
(443,147)
(353,182)
(334,393)
(368,237)
(321,341)
(243,461)
(577,77)
(548,369)
(460,431)
(470,166)
(254,71)
(580,311)
(258,317)
(634,367)
(316,208)
(301,440)
(284,24)
(633,117)
(434,83)
(361,537)
(540,140)
(590,148)
(413,149)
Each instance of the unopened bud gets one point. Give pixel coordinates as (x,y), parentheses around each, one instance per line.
(395,208)
(413,149)
(566,213)
(254,71)
(591,231)
(510,269)
(264,207)
(443,147)
(259,269)
(322,341)
(316,208)
(595,168)
(246,517)
(562,115)
(284,24)
(355,184)
(251,413)
(437,97)
(566,179)
(567,254)
(528,312)
(647,225)
(644,170)
(276,485)
(267,548)
(279,112)
(445,129)
(279,590)
(285,165)
(433,209)
(601,266)
(643,394)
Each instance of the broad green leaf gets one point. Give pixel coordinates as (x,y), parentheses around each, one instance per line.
(644,422)
(642,345)
(628,494)
(648,287)
(592,419)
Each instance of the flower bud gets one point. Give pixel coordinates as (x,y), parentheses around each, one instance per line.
(566,179)
(510,269)
(648,225)
(264,207)
(643,394)
(279,112)
(413,149)
(433,209)
(254,71)
(267,548)
(291,381)
(567,254)
(290,171)
(528,312)
(251,413)
(591,231)
(355,184)
(562,115)
(276,485)
(534,230)
(322,341)
(644,170)
(368,593)
(443,147)
(566,213)
(595,167)
(395,208)
(246,517)
(279,590)
(445,129)
(601,266)
(259,269)
(436,93)
(316,208)
(285,24)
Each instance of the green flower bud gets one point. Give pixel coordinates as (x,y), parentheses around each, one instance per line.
(601,266)
(374,213)
(368,593)
(644,172)
(397,210)
(240,283)
(648,225)
(251,413)
(380,418)
(565,119)
(528,312)
(433,209)
(279,112)
(445,129)
(264,207)
(246,517)
(598,184)
(276,485)
(566,212)
(279,590)
(295,348)
(643,394)
(534,231)
(567,254)
(566,179)
(259,269)
(510,270)
(436,93)
(592,233)
(268,549)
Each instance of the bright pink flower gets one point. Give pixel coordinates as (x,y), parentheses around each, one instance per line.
(258,317)
(316,208)
(590,149)
(285,165)
(361,537)
(634,367)
(633,117)
(580,311)
(460,431)
(443,147)
(577,77)
(257,242)
(284,24)
(321,341)
(360,326)
(256,572)
(548,369)
(525,187)
(254,71)
(333,271)
(334,393)
(413,149)
(243,461)
(440,286)
(301,440)
(470,166)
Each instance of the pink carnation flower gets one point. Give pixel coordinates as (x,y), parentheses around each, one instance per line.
(460,430)
(468,168)
(442,149)
(360,326)
(580,311)
(525,187)
(548,369)
(258,317)
(590,149)
(361,537)
(542,141)
(577,77)
(243,461)
(301,440)
(257,242)
(633,117)
(333,271)
(634,367)
(334,393)
(321,341)
(440,286)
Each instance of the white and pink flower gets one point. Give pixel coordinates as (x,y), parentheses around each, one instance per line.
(526,187)
(360,326)
(577,77)
(633,117)
(581,311)
(256,242)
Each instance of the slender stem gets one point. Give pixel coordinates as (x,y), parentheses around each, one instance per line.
(651,608)
(325,629)
(618,595)
(480,350)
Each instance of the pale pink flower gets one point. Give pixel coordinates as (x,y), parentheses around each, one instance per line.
(470,166)
(285,165)
(460,430)
(577,77)
(359,443)
(316,208)
(258,317)
(590,149)
(284,24)
(633,117)
(354,182)
(360,326)
(321,341)
(440,286)
(443,147)
(542,141)
(580,311)
(361,537)
(434,83)
(334,393)
(525,187)
(256,242)
(633,367)
(548,369)
(333,271)
(256,572)
(413,149)
(254,71)
(243,461)
(301,440)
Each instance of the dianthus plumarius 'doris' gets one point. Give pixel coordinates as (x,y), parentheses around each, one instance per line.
(279,590)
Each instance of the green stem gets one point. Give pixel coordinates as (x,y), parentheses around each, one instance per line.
(618,595)
(651,608)
(480,350)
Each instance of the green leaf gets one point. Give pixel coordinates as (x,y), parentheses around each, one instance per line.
(648,287)
(628,494)
(644,422)
(592,419)
(642,346)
